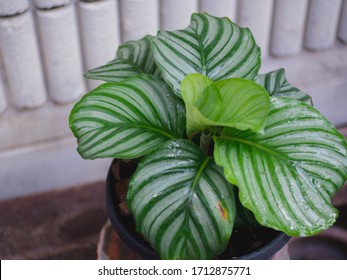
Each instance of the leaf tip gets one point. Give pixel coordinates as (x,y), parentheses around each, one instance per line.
(89,75)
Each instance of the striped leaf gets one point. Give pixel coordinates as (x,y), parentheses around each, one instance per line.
(244,217)
(114,71)
(132,59)
(211,46)
(182,202)
(128,119)
(140,53)
(276,84)
(287,175)
(233,102)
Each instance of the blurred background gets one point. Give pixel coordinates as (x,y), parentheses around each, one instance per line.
(51,200)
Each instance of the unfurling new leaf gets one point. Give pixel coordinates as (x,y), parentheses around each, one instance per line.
(234,102)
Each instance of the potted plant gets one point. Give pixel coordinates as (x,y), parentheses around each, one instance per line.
(203,125)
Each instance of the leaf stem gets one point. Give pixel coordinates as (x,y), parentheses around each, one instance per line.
(205,140)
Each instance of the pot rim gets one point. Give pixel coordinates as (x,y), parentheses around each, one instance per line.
(264,252)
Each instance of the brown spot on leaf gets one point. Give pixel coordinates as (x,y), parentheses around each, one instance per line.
(222,211)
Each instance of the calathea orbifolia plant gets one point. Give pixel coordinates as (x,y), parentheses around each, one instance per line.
(192,108)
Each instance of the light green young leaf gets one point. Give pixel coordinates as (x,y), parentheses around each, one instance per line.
(128,119)
(133,58)
(182,202)
(234,102)
(214,47)
(287,175)
(192,88)
(276,84)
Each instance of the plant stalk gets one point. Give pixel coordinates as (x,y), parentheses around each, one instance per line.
(205,140)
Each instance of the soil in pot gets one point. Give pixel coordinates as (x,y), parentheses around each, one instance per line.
(243,243)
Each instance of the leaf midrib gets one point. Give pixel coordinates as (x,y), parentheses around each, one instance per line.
(137,126)
(267,150)
(190,197)
(201,51)
(255,145)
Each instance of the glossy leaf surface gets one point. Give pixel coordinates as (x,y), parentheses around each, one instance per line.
(287,175)
(276,84)
(140,53)
(234,102)
(182,202)
(128,119)
(114,71)
(133,58)
(214,47)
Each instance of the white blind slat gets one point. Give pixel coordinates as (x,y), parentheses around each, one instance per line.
(99,26)
(175,14)
(257,15)
(13,7)
(49,4)
(224,8)
(61,51)
(3,101)
(22,62)
(288,27)
(138,18)
(342,34)
(322,23)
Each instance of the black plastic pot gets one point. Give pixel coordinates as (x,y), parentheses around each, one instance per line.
(146,252)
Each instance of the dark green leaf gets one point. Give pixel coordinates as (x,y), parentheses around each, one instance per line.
(287,175)
(276,84)
(114,71)
(133,58)
(140,53)
(128,119)
(182,202)
(214,47)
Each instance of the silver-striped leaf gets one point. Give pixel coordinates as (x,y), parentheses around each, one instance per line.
(140,53)
(244,217)
(276,84)
(182,202)
(215,47)
(287,175)
(132,58)
(128,119)
(114,71)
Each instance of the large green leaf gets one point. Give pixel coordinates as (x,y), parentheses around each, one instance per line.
(244,217)
(233,102)
(133,58)
(212,46)
(287,175)
(114,71)
(276,84)
(140,53)
(128,119)
(182,202)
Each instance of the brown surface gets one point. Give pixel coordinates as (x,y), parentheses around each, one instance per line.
(61,224)
(111,247)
